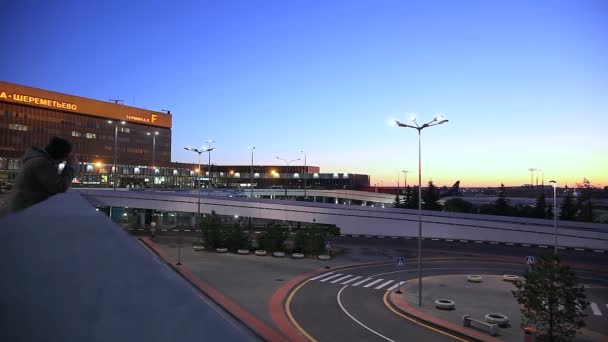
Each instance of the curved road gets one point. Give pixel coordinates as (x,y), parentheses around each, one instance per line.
(349,304)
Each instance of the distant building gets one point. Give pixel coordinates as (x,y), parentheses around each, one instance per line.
(31,116)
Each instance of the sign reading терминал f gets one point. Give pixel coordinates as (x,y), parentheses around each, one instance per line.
(29,96)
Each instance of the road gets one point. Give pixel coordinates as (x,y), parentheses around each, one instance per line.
(349,304)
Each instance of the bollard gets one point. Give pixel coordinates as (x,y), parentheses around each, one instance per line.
(529,334)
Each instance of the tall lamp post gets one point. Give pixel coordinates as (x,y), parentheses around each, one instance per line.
(305,173)
(288,162)
(438,120)
(251,173)
(198,197)
(153,157)
(405,178)
(115,147)
(209,149)
(554,184)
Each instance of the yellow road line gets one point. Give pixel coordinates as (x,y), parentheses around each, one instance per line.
(417,322)
(290,316)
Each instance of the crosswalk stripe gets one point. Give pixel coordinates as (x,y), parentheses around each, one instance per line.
(351,280)
(361,282)
(383,284)
(321,276)
(340,279)
(331,277)
(373,282)
(595,309)
(395,286)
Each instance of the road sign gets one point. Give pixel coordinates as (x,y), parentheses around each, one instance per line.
(153,224)
(400,261)
(530,260)
(327,244)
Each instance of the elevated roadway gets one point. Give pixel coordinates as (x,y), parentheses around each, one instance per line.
(364,220)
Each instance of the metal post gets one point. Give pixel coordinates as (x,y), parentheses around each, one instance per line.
(153,160)
(251,173)
(198,194)
(419,220)
(209,167)
(305,174)
(115,147)
(555,215)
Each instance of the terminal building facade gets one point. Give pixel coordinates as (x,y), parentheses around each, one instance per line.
(128,147)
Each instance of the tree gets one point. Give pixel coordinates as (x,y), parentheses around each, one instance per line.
(273,237)
(551,300)
(585,208)
(540,210)
(411,199)
(211,231)
(458,205)
(234,237)
(431,198)
(397,203)
(501,205)
(567,210)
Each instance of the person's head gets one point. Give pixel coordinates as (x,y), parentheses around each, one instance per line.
(58,148)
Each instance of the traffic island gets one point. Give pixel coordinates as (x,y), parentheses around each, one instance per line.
(476,300)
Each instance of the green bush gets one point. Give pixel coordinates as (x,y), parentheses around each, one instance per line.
(311,240)
(273,238)
(211,231)
(234,237)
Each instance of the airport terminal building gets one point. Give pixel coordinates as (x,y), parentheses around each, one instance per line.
(137,141)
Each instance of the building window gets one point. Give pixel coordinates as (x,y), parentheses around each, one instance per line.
(17,127)
(90,136)
(76,134)
(124,129)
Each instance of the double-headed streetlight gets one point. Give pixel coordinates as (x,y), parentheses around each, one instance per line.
(198,197)
(251,173)
(438,120)
(153,156)
(305,173)
(554,185)
(115,146)
(288,162)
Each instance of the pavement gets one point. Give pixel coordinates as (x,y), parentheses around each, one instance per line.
(254,289)
(492,295)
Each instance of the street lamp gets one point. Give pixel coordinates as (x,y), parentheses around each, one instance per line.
(115,147)
(554,185)
(200,152)
(305,173)
(438,120)
(405,178)
(251,173)
(288,162)
(153,156)
(209,149)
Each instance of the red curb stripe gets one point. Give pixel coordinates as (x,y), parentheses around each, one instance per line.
(259,327)
(278,314)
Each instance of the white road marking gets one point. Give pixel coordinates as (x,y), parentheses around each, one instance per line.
(463,240)
(510,244)
(394,237)
(361,282)
(383,284)
(354,319)
(373,282)
(494,242)
(595,309)
(598,251)
(454,268)
(331,277)
(543,246)
(340,279)
(395,286)
(579,249)
(477,241)
(322,275)
(449,240)
(526,245)
(435,239)
(351,280)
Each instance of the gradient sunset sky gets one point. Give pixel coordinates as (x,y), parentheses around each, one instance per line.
(523,83)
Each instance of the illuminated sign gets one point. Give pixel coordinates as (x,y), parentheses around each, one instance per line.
(38,100)
(151,119)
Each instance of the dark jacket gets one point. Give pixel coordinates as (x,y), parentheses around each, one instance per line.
(38,179)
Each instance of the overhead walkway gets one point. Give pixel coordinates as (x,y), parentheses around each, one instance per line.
(365,220)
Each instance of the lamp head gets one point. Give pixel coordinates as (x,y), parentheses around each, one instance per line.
(155,133)
(553,183)
(109,121)
(123,122)
(413,118)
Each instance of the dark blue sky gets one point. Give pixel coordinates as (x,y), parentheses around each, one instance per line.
(523,83)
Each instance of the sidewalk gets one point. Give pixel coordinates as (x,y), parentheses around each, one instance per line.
(492,295)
